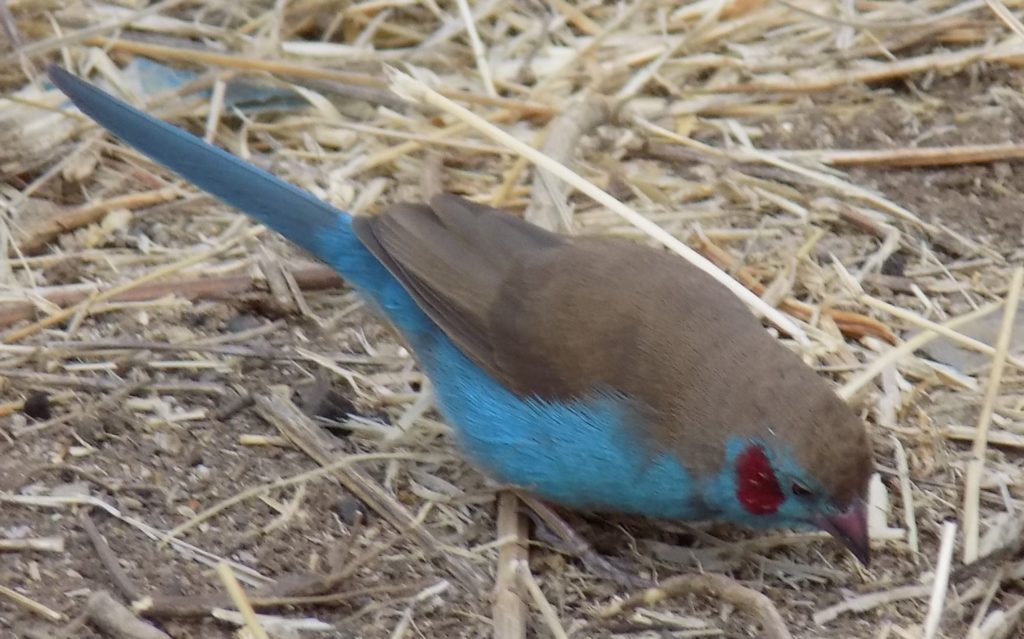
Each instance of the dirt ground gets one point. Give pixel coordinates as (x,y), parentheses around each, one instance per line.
(156,433)
(982,106)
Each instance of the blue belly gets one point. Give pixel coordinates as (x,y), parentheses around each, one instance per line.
(577,454)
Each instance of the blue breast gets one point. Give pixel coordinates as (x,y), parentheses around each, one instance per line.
(578,454)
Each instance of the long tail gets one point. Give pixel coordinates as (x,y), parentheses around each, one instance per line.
(316,226)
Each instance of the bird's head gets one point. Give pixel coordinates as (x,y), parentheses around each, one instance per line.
(770,488)
(793,454)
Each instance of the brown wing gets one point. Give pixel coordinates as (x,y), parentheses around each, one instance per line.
(453,257)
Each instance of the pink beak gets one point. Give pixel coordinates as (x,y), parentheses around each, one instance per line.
(851,528)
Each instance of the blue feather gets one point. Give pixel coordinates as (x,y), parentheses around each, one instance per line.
(313,224)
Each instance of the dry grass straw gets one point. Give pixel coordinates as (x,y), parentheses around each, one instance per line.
(976,466)
(816,153)
(942,569)
(241,601)
(509,608)
(547,611)
(30,604)
(37,544)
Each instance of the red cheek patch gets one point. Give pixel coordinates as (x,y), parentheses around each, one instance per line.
(756,486)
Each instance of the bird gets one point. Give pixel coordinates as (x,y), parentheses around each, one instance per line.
(595,373)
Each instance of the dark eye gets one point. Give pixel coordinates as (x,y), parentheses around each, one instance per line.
(800,490)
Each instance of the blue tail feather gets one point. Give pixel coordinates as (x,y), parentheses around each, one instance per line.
(316,226)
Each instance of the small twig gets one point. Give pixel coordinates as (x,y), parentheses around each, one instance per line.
(55,348)
(548,196)
(109,560)
(380,97)
(30,604)
(976,466)
(284,627)
(526,580)
(261,489)
(712,586)
(906,495)
(909,157)
(71,629)
(215,111)
(404,622)
(509,612)
(111,617)
(324,583)
(880,71)
(577,17)
(432,177)
(870,601)
(581,52)
(479,53)
(832,182)
(241,601)
(37,234)
(309,589)
(157,273)
(577,545)
(189,551)
(1004,13)
(1001,624)
(309,278)
(303,71)
(993,587)
(264,440)
(10,28)
(938,598)
(995,437)
(886,359)
(34,544)
(11,407)
(942,329)
(179,606)
(235,405)
(281,298)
